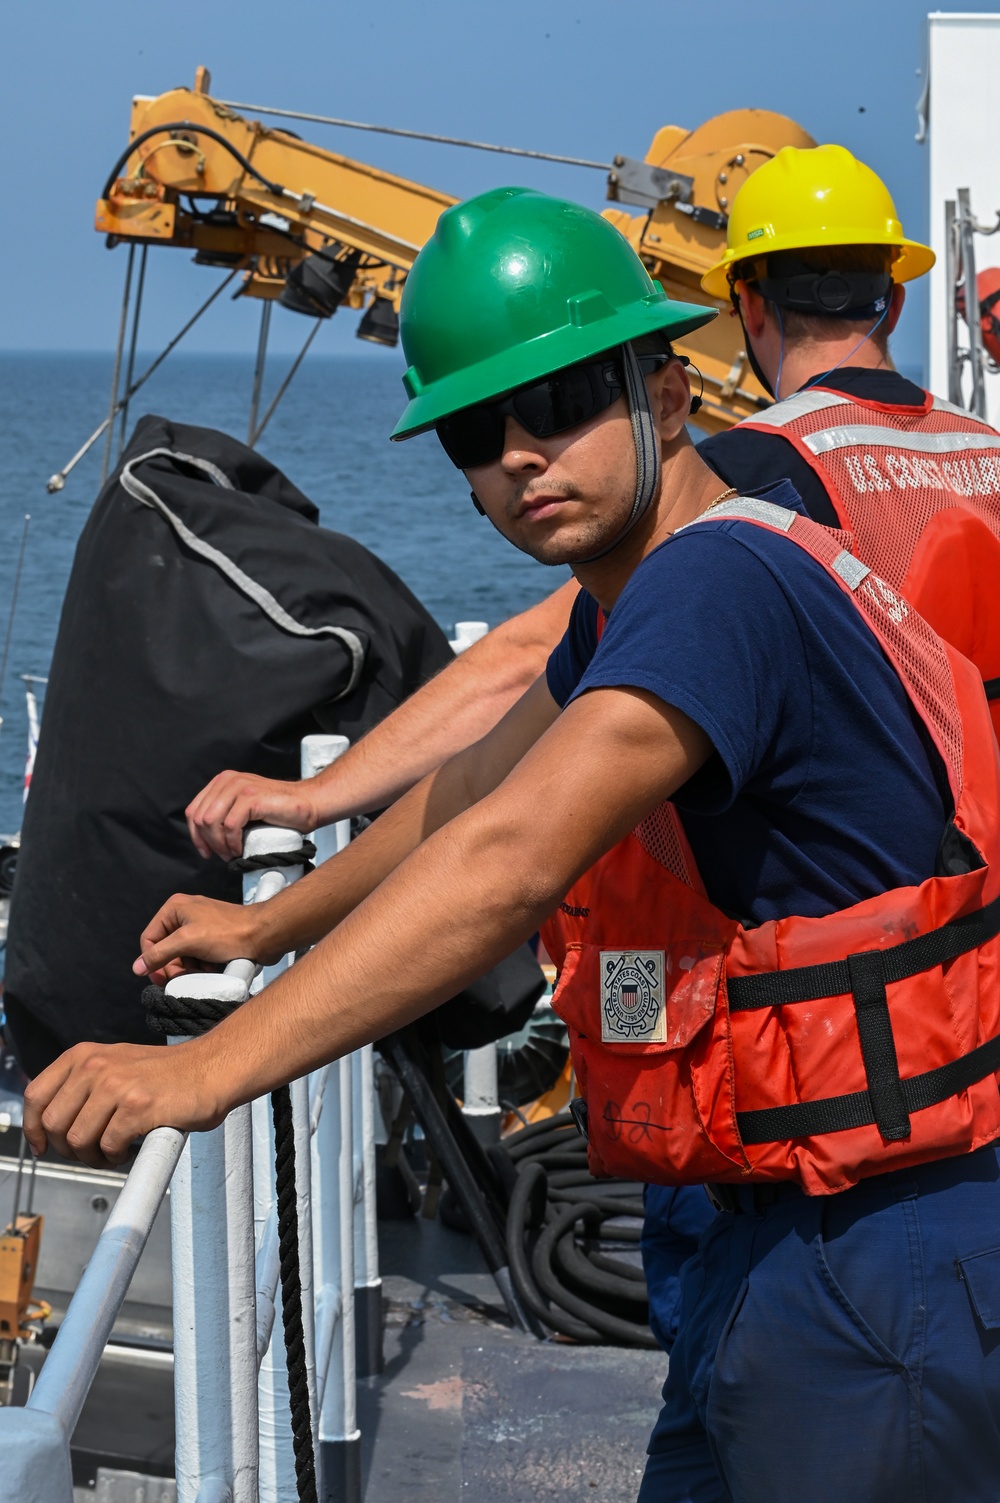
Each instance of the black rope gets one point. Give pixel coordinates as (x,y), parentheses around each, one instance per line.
(187,1017)
(302,857)
(291,1294)
(182,1017)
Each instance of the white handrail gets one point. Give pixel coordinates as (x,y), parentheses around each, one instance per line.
(71,1365)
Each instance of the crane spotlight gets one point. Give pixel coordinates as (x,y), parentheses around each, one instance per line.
(380,323)
(318,285)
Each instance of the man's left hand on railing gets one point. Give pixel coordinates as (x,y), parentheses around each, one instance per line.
(191,933)
(96,1099)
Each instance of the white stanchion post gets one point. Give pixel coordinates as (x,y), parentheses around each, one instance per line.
(334,1223)
(467,632)
(481,1099)
(215,1324)
(368,1312)
(340,1439)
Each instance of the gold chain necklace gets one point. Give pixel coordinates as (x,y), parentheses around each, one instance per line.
(725,495)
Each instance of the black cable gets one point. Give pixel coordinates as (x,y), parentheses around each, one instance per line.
(201,130)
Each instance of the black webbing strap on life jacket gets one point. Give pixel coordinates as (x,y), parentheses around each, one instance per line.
(992,687)
(889,1099)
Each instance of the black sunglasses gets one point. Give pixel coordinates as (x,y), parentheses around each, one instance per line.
(475,435)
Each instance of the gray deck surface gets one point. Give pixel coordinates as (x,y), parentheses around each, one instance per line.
(469,1409)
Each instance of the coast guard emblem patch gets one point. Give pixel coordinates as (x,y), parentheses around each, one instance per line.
(632,1010)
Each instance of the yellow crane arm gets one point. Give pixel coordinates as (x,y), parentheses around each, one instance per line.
(198,175)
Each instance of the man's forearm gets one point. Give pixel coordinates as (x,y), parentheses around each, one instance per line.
(306,911)
(460,902)
(455,709)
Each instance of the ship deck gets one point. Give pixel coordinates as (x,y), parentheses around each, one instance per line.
(465,1408)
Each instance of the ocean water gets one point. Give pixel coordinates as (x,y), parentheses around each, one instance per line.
(330,436)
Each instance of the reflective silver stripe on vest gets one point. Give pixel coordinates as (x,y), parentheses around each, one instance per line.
(851,570)
(801,405)
(940,405)
(251,588)
(746,509)
(866,437)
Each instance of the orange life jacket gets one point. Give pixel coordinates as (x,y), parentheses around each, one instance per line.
(820,1050)
(919,490)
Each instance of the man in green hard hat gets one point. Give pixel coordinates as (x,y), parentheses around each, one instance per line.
(723,690)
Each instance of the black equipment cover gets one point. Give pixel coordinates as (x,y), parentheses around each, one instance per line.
(165,672)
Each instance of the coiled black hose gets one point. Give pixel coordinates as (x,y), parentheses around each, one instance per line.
(557,1219)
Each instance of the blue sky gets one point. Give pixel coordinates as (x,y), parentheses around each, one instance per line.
(582,77)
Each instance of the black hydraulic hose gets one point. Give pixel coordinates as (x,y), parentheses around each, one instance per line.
(540,1136)
(607,1233)
(521,1209)
(611,1327)
(200,130)
(535,1130)
(615,1265)
(579,1267)
(569,1165)
(567,1274)
(611,1205)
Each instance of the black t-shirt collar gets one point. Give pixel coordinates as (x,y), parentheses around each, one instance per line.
(870,385)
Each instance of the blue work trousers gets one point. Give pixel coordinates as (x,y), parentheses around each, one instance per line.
(674,1221)
(842,1347)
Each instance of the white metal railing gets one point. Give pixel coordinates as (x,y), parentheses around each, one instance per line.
(234,1441)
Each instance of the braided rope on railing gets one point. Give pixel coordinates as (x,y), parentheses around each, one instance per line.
(183,1017)
(302,857)
(291,1294)
(188,1017)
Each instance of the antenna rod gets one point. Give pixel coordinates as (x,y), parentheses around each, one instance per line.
(13,603)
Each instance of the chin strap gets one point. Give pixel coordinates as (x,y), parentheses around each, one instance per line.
(648,463)
(752,360)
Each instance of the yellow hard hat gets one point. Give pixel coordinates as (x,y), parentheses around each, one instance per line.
(813,196)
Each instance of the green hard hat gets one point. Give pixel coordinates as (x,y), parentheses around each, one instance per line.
(513,285)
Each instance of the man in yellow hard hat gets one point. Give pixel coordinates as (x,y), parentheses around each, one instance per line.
(815,267)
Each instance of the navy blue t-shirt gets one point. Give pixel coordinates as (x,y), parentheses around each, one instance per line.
(823,788)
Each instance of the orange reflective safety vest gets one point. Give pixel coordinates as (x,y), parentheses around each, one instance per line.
(919,490)
(821,1050)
